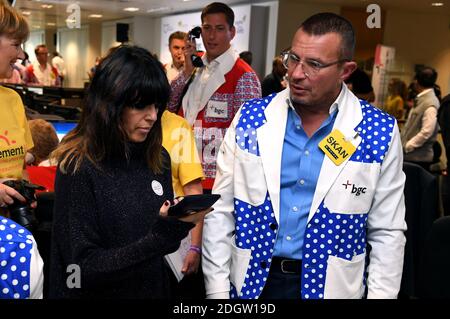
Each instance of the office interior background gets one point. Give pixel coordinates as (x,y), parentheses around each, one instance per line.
(418,31)
(410,34)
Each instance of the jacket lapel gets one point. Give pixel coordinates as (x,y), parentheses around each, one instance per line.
(197,103)
(214,82)
(348,118)
(270,142)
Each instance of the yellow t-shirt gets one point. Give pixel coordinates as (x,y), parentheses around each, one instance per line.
(15,135)
(178,140)
(394,106)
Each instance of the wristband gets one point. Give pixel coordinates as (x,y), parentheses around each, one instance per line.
(197,249)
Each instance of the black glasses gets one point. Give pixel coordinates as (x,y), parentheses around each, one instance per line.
(310,67)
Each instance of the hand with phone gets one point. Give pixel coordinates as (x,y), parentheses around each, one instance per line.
(189,49)
(191,208)
(191,60)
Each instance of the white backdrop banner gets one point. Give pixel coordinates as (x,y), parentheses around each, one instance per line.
(384,62)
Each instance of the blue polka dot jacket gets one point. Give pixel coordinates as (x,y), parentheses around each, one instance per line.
(21,266)
(239,235)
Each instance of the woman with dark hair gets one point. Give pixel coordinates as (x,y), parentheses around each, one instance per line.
(113,187)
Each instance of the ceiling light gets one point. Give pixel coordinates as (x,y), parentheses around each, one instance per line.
(157,9)
(437,4)
(26,13)
(51,23)
(47,6)
(95,16)
(131,9)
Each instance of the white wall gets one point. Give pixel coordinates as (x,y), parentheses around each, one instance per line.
(36,38)
(109,33)
(146,33)
(72,46)
(291,14)
(419,38)
(271,50)
(143,31)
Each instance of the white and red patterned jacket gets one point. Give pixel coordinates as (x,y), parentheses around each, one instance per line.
(240,84)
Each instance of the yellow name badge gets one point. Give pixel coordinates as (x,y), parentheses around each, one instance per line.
(336,147)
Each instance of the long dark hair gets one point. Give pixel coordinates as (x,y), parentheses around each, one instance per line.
(128,77)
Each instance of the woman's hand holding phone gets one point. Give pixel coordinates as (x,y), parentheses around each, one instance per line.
(193,210)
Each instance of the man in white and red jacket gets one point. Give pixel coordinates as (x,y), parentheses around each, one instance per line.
(217,89)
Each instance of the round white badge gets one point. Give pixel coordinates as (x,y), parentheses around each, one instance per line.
(157,188)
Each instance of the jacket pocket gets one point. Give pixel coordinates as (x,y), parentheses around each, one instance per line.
(240,259)
(344,278)
(249,180)
(354,189)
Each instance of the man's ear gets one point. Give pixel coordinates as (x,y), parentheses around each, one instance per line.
(233,32)
(348,69)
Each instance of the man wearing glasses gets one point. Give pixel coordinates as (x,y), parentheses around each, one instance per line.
(41,72)
(309,178)
(216,90)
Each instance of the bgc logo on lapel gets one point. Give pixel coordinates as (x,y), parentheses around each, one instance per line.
(217,109)
(354,189)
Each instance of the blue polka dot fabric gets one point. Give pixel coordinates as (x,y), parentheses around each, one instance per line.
(15,255)
(376,133)
(252,116)
(344,235)
(327,233)
(340,235)
(256,229)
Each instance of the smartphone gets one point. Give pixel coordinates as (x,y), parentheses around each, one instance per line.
(192,204)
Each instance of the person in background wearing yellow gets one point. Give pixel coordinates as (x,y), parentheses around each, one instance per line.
(187,176)
(395,101)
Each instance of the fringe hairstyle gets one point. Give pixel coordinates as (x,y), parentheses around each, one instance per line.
(13,23)
(128,77)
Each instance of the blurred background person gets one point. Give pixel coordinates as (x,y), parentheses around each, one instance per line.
(359,83)
(42,171)
(395,101)
(21,65)
(41,72)
(177,42)
(444,123)
(247,56)
(91,71)
(187,176)
(420,131)
(15,78)
(59,64)
(21,265)
(410,96)
(275,81)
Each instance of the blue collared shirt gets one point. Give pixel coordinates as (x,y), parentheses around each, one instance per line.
(300,167)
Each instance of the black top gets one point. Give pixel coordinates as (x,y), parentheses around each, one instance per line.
(271,84)
(444,122)
(107,222)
